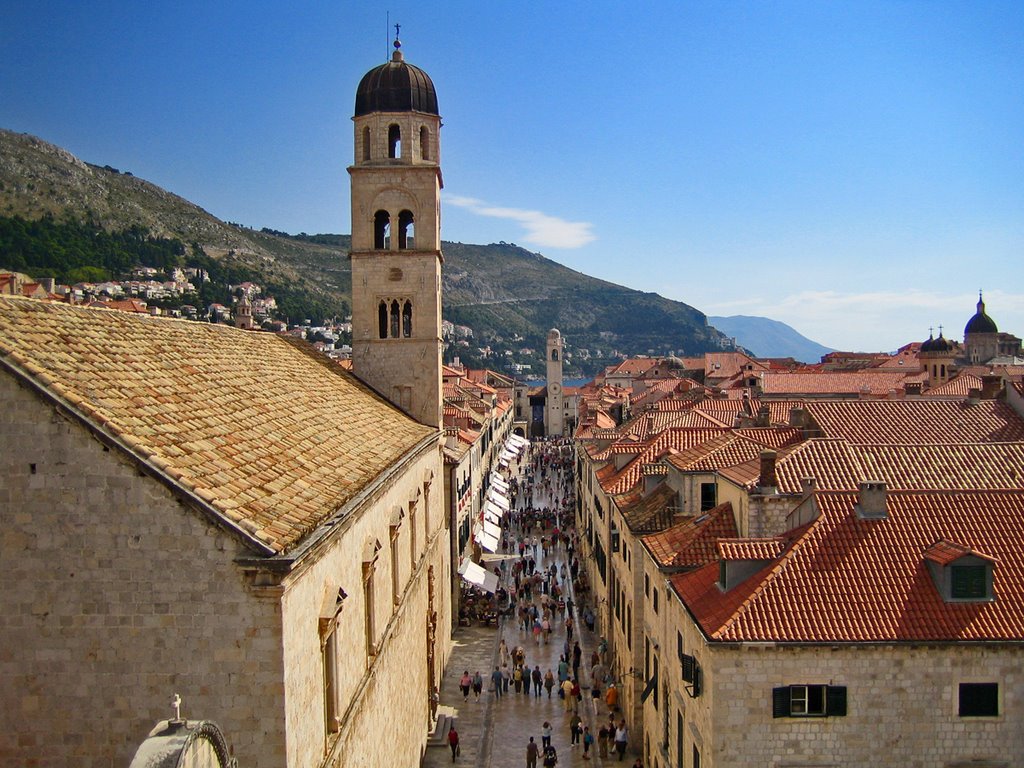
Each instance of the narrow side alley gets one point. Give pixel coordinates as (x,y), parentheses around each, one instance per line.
(494,730)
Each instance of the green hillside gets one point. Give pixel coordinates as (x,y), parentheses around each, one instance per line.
(93,216)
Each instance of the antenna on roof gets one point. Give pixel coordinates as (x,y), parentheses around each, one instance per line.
(387,35)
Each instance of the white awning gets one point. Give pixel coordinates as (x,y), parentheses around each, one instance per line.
(490,543)
(507,455)
(500,482)
(518,440)
(481,577)
(497,499)
(493,514)
(490,508)
(491,529)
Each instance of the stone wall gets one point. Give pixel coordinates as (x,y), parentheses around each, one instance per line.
(117,597)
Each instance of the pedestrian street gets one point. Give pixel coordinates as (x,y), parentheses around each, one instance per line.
(494,730)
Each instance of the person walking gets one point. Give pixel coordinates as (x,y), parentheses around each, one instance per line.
(575,728)
(545,734)
(496,681)
(453,742)
(478,684)
(588,742)
(465,682)
(527,677)
(549,681)
(602,741)
(531,754)
(621,738)
(611,698)
(567,698)
(537,680)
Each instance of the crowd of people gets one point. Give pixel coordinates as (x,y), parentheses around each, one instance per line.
(542,589)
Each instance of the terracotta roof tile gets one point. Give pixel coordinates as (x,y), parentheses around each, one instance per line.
(692,543)
(917,421)
(273,435)
(847,579)
(871,382)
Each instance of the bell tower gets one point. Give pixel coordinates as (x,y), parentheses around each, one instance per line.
(396,238)
(554,411)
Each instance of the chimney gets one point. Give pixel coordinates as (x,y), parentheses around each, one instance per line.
(991,386)
(871,504)
(807,485)
(796,417)
(912,388)
(973,396)
(764,418)
(767,477)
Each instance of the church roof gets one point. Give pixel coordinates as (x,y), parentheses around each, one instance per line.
(981,322)
(396,87)
(272,436)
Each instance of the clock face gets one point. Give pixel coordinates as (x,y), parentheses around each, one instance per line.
(554,389)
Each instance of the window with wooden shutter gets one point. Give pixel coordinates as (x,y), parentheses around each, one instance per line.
(809,701)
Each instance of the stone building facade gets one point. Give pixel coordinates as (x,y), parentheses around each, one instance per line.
(200,510)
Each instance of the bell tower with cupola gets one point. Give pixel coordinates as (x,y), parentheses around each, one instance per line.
(396,237)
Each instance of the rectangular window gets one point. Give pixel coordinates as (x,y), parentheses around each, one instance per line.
(655,600)
(979,700)
(708,496)
(329,655)
(679,645)
(696,757)
(654,677)
(414,554)
(679,739)
(968,582)
(647,585)
(809,701)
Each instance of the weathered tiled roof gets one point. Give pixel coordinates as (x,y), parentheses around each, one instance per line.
(692,543)
(873,382)
(847,579)
(917,421)
(650,512)
(271,435)
(836,465)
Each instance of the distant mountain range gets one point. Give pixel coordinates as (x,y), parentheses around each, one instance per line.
(769,338)
(509,296)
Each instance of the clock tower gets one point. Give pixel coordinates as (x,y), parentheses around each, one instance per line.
(554,409)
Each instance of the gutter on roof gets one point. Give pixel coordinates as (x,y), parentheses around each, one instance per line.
(112,440)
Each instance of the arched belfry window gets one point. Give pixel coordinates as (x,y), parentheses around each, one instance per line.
(394,141)
(382,320)
(424,143)
(406,230)
(366,144)
(382,230)
(407,319)
(394,320)
(554,355)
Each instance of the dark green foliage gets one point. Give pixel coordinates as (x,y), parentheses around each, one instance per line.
(48,248)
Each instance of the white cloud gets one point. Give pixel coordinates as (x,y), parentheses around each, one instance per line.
(540,228)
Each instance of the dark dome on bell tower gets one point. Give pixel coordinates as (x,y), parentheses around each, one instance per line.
(396,87)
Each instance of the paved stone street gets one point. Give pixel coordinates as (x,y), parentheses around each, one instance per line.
(494,732)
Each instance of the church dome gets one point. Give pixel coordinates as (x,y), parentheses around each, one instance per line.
(980,323)
(396,87)
(940,344)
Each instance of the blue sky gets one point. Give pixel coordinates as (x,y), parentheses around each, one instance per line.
(854,169)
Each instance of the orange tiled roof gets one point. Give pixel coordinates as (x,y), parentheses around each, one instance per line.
(956,387)
(871,382)
(750,549)
(272,435)
(846,579)
(917,421)
(692,543)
